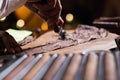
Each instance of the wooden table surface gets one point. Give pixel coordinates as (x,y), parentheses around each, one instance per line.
(97,44)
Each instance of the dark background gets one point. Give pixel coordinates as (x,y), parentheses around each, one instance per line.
(84,11)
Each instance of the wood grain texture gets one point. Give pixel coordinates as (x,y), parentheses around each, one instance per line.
(97,44)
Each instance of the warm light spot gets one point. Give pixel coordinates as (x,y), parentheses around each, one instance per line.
(20,23)
(1,65)
(69,17)
(44,26)
(22,13)
(3,19)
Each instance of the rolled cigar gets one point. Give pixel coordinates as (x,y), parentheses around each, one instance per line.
(54,68)
(30,75)
(110,67)
(91,67)
(110,19)
(106,24)
(73,67)
(19,68)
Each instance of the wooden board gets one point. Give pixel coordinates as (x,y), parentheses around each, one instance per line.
(97,44)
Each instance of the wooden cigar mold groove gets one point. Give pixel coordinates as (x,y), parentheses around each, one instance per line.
(95,65)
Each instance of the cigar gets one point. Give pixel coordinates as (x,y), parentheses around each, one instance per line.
(106,24)
(110,19)
(34,70)
(44,69)
(110,67)
(54,68)
(19,68)
(91,67)
(72,68)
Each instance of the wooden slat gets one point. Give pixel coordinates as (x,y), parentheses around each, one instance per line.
(19,68)
(91,67)
(54,67)
(72,67)
(110,67)
(35,69)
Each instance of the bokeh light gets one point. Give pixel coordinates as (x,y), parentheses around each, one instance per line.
(69,17)
(20,23)
(44,26)
(3,19)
